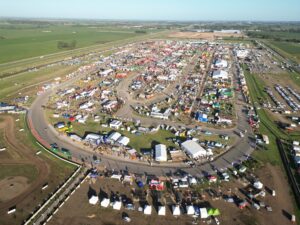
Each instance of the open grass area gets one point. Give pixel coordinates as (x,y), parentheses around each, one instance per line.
(25,42)
(290,49)
(28,171)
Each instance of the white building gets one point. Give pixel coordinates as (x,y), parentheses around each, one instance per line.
(161,153)
(220,74)
(115,124)
(221,63)
(123,141)
(193,149)
(114,136)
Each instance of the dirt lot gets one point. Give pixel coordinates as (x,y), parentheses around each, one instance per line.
(204,35)
(23,173)
(77,210)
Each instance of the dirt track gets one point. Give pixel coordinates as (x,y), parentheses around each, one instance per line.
(26,156)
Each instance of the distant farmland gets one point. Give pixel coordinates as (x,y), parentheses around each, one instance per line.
(20,42)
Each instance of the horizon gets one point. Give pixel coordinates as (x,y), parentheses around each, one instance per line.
(134,10)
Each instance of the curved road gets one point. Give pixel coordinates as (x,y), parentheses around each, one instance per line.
(237,153)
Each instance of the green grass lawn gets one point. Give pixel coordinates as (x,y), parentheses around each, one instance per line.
(143,141)
(27,42)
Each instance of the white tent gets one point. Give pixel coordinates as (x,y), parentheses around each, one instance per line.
(203,213)
(193,149)
(176,210)
(147,210)
(160,152)
(93,200)
(190,210)
(105,202)
(117,205)
(162,210)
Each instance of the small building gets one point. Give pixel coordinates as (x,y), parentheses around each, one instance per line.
(124,141)
(193,149)
(114,136)
(161,153)
(115,124)
(220,74)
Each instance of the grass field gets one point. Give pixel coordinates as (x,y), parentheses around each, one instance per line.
(16,44)
(143,141)
(288,48)
(11,86)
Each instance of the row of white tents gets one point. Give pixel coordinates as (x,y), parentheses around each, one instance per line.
(147,209)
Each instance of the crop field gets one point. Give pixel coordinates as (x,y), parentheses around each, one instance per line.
(289,49)
(22,42)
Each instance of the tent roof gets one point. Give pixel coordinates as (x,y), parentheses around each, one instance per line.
(190,210)
(176,210)
(105,202)
(162,210)
(93,200)
(147,210)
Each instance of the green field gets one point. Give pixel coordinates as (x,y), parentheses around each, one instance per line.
(288,48)
(25,42)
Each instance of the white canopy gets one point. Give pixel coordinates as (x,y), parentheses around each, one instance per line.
(105,202)
(93,200)
(162,210)
(176,210)
(117,205)
(190,210)
(147,210)
(203,213)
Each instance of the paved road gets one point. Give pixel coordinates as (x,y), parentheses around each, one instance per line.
(239,152)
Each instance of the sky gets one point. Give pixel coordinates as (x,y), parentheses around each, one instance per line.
(182,10)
